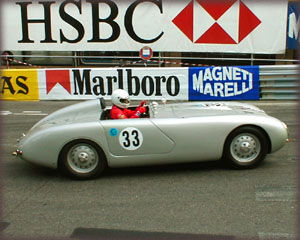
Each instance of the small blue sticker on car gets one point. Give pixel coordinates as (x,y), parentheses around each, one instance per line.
(113,132)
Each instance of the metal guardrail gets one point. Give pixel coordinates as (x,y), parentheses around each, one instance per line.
(279,82)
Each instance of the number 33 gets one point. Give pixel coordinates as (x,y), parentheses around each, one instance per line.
(131,138)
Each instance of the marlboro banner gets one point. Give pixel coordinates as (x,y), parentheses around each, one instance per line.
(141,83)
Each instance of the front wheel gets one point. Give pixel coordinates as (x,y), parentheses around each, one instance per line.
(245,148)
(82,159)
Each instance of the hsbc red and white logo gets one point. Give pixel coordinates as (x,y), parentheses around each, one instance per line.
(216,22)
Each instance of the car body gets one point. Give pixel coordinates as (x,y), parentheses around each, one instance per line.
(81,140)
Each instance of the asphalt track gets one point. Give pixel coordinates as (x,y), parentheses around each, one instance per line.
(192,201)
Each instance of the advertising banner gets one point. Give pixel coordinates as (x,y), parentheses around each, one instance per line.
(240,26)
(141,83)
(224,83)
(293,26)
(19,84)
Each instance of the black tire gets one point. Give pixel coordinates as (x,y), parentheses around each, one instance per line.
(245,148)
(82,159)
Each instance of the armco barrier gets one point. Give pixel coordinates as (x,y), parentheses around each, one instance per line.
(279,82)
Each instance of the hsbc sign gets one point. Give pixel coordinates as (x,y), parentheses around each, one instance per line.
(245,26)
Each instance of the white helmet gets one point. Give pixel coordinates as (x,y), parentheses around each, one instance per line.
(120,98)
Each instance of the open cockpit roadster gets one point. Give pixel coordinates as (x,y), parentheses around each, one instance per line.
(81,140)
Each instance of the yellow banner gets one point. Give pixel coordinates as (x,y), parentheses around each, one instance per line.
(19,84)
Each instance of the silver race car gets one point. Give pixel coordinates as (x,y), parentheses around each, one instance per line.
(82,141)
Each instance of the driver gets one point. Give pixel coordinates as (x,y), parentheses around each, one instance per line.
(120,100)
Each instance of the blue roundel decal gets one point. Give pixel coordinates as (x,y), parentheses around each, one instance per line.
(113,132)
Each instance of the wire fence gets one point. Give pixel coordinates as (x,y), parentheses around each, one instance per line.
(82,60)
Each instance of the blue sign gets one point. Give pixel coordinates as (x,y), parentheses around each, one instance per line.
(224,83)
(293,26)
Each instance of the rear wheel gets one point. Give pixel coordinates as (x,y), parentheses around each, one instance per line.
(82,159)
(245,148)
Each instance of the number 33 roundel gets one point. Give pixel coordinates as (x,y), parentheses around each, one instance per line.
(131,138)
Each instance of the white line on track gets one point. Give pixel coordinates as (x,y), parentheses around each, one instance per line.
(4,113)
(281,236)
(24,113)
(276,194)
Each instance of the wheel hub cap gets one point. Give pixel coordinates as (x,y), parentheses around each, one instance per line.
(245,147)
(83,158)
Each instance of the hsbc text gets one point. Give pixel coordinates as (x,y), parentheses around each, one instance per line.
(46,10)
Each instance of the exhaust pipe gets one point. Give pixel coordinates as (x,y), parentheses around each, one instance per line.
(17,153)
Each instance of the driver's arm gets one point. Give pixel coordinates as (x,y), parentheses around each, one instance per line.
(135,114)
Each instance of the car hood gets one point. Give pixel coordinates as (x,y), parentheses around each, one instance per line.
(196,109)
